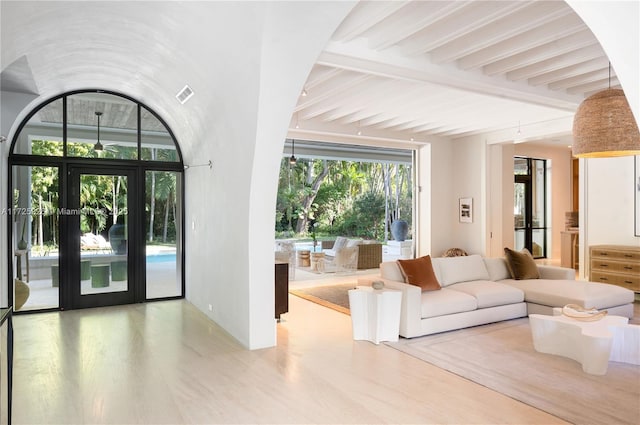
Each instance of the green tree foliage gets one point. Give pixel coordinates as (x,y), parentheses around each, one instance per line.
(353,198)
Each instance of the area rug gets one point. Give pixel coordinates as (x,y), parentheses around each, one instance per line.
(501,356)
(335,297)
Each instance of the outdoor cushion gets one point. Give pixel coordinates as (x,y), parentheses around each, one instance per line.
(446,301)
(419,272)
(490,294)
(352,242)
(521,264)
(452,270)
(339,243)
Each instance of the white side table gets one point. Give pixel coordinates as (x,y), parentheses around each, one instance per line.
(375,313)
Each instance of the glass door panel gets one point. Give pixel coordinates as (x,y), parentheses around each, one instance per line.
(530,208)
(101,265)
(36,230)
(163,234)
(103,226)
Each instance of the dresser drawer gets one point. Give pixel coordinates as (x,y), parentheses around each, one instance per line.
(605,264)
(615,254)
(628,281)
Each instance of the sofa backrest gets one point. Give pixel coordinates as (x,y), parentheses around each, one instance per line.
(450,270)
(497,268)
(391,270)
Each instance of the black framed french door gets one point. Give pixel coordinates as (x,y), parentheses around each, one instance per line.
(530,206)
(100,238)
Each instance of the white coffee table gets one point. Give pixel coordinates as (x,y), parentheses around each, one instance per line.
(592,344)
(375,313)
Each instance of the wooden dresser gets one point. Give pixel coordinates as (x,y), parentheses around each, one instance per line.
(615,264)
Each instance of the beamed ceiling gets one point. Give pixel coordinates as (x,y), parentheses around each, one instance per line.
(402,72)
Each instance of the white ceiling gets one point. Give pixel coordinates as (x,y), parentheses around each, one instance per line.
(403,72)
(393,70)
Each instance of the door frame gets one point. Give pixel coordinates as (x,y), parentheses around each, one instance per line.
(70,241)
(527,180)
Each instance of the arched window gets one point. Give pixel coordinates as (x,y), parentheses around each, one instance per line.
(97,198)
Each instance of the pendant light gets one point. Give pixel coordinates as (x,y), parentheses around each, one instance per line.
(98,145)
(604,126)
(292,159)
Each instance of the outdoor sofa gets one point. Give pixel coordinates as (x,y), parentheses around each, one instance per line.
(476,291)
(369,252)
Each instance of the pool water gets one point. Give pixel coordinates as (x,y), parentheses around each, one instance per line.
(161,258)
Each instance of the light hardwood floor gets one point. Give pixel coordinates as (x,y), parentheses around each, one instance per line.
(165,362)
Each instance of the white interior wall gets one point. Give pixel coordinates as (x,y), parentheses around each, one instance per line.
(469,164)
(232,221)
(423,211)
(439,180)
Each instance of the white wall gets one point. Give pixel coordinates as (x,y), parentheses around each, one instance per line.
(437,211)
(230,253)
(469,177)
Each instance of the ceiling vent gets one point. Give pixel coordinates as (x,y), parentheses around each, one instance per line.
(184,94)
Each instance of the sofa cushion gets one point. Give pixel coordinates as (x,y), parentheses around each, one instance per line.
(558,293)
(490,294)
(446,301)
(419,272)
(521,264)
(452,270)
(391,270)
(497,268)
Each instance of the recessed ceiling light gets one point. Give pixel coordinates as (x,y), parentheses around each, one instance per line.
(184,94)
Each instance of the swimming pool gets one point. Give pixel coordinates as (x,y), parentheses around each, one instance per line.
(161,258)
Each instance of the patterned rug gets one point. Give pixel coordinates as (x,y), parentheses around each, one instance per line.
(335,297)
(501,356)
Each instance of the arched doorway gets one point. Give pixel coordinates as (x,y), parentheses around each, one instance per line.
(96,202)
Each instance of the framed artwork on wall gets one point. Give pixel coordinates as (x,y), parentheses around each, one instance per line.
(465,211)
(636,191)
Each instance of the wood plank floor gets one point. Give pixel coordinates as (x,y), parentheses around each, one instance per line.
(165,362)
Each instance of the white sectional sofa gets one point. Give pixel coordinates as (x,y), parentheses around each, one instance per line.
(477,290)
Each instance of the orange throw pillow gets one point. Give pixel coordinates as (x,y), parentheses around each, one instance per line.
(419,272)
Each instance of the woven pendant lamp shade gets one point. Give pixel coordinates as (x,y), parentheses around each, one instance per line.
(604,127)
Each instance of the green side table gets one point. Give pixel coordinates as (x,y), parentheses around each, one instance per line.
(118,270)
(55,276)
(85,269)
(100,275)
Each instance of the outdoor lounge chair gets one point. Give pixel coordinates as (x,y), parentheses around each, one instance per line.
(91,242)
(345,261)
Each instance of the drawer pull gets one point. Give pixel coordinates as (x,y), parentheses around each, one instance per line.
(628,255)
(628,268)
(603,278)
(604,265)
(628,281)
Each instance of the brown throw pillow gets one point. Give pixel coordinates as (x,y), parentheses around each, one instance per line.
(521,264)
(419,272)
